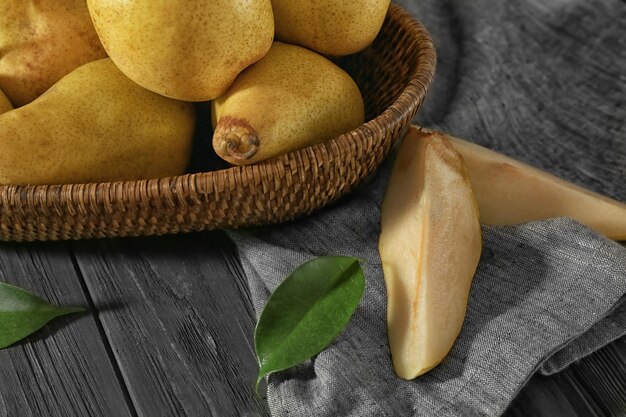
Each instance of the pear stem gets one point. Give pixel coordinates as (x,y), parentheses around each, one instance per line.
(232,143)
(235,139)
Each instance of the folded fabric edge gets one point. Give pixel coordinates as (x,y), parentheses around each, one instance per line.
(606,331)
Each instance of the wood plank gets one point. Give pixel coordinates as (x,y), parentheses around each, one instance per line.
(183,325)
(161,283)
(595,386)
(63,370)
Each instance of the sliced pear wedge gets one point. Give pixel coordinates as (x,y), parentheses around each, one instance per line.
(5,104)
(510,192)
(430,246)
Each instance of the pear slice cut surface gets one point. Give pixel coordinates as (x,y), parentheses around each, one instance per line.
(510,192)
(430,247)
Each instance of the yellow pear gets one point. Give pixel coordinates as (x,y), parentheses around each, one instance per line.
(41,41)
(5,104)
(189,50)
(95,125)
(290,99)
(430,246)
(329,26)
(510,192)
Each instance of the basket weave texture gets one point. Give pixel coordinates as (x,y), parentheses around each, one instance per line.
(393,74)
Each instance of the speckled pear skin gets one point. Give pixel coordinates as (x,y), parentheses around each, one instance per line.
(5,104)
(330,27)
(95,125)
(290,99)
(190,50)
(41,42)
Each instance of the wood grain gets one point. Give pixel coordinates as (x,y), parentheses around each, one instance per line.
(182,332)
(63,370)
(173,315)
(595,386)
(177,315)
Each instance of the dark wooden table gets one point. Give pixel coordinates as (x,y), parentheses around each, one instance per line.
(169,331)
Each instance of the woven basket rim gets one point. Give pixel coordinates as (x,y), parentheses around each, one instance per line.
(408,102)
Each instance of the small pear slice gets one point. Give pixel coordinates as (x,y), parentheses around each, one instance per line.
(5,104)
(510,192)
(430,246)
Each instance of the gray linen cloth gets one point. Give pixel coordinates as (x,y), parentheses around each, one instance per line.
(540,81)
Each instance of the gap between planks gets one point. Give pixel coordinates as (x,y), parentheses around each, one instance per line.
(103,336)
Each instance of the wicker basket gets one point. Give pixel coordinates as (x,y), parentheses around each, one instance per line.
(393,74)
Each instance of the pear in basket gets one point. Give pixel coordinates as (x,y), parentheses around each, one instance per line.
(290,99)
(5,104)
(41,42)
(190,50)
(95,125)
(329,26)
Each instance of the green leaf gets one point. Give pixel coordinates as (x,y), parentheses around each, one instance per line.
(307,312)
(22,314)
